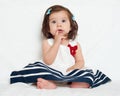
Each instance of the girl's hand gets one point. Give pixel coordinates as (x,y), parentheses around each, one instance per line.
(59,37)
(70,68)
(75,66)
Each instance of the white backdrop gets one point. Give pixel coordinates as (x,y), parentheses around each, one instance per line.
(99,30)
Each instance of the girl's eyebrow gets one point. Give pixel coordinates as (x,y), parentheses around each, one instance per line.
(51,19)
(55,18)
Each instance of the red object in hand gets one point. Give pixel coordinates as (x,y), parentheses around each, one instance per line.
(72,49)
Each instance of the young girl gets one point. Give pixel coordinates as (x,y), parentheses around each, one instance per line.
(62,59)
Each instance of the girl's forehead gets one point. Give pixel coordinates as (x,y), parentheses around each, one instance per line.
(59,14)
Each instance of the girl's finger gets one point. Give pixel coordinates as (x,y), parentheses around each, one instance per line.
(69,69)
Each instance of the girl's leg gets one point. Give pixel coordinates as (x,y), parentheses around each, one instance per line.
(79,85)
(45,84)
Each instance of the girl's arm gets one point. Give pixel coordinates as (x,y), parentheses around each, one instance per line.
(79,60)
(49,52)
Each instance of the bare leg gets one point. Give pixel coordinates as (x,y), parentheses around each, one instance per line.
(45,84)
(79,85)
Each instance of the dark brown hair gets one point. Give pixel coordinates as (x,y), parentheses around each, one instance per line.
(45,25)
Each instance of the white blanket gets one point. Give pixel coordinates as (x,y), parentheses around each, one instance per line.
(21,89)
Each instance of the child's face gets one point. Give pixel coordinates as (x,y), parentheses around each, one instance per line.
(59,22)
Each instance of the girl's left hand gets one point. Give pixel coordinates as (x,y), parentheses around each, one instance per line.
(70,68)
(75,66)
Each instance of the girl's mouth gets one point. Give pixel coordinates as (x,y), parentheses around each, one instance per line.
(60,30)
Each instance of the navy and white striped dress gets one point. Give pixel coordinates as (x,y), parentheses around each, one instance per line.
(57,71)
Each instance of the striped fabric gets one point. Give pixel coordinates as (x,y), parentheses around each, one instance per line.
(30,73)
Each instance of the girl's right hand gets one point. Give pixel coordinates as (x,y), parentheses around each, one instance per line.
(59,37)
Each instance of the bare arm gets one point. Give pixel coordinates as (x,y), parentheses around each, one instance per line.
(50,52)
(79,60)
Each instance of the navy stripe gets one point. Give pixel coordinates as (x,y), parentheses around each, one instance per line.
(39,64)
(31,72)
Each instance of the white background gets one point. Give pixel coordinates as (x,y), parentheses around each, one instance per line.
(99,32)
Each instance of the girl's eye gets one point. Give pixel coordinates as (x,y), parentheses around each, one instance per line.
(63,20)
(53,22)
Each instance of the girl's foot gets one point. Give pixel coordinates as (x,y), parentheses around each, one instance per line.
(45,84)
(79,85)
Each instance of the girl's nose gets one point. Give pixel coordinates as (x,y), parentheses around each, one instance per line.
(59,24)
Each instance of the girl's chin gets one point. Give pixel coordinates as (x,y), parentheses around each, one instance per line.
(60,32)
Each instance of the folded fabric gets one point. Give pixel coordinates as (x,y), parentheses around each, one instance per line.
(31,72)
